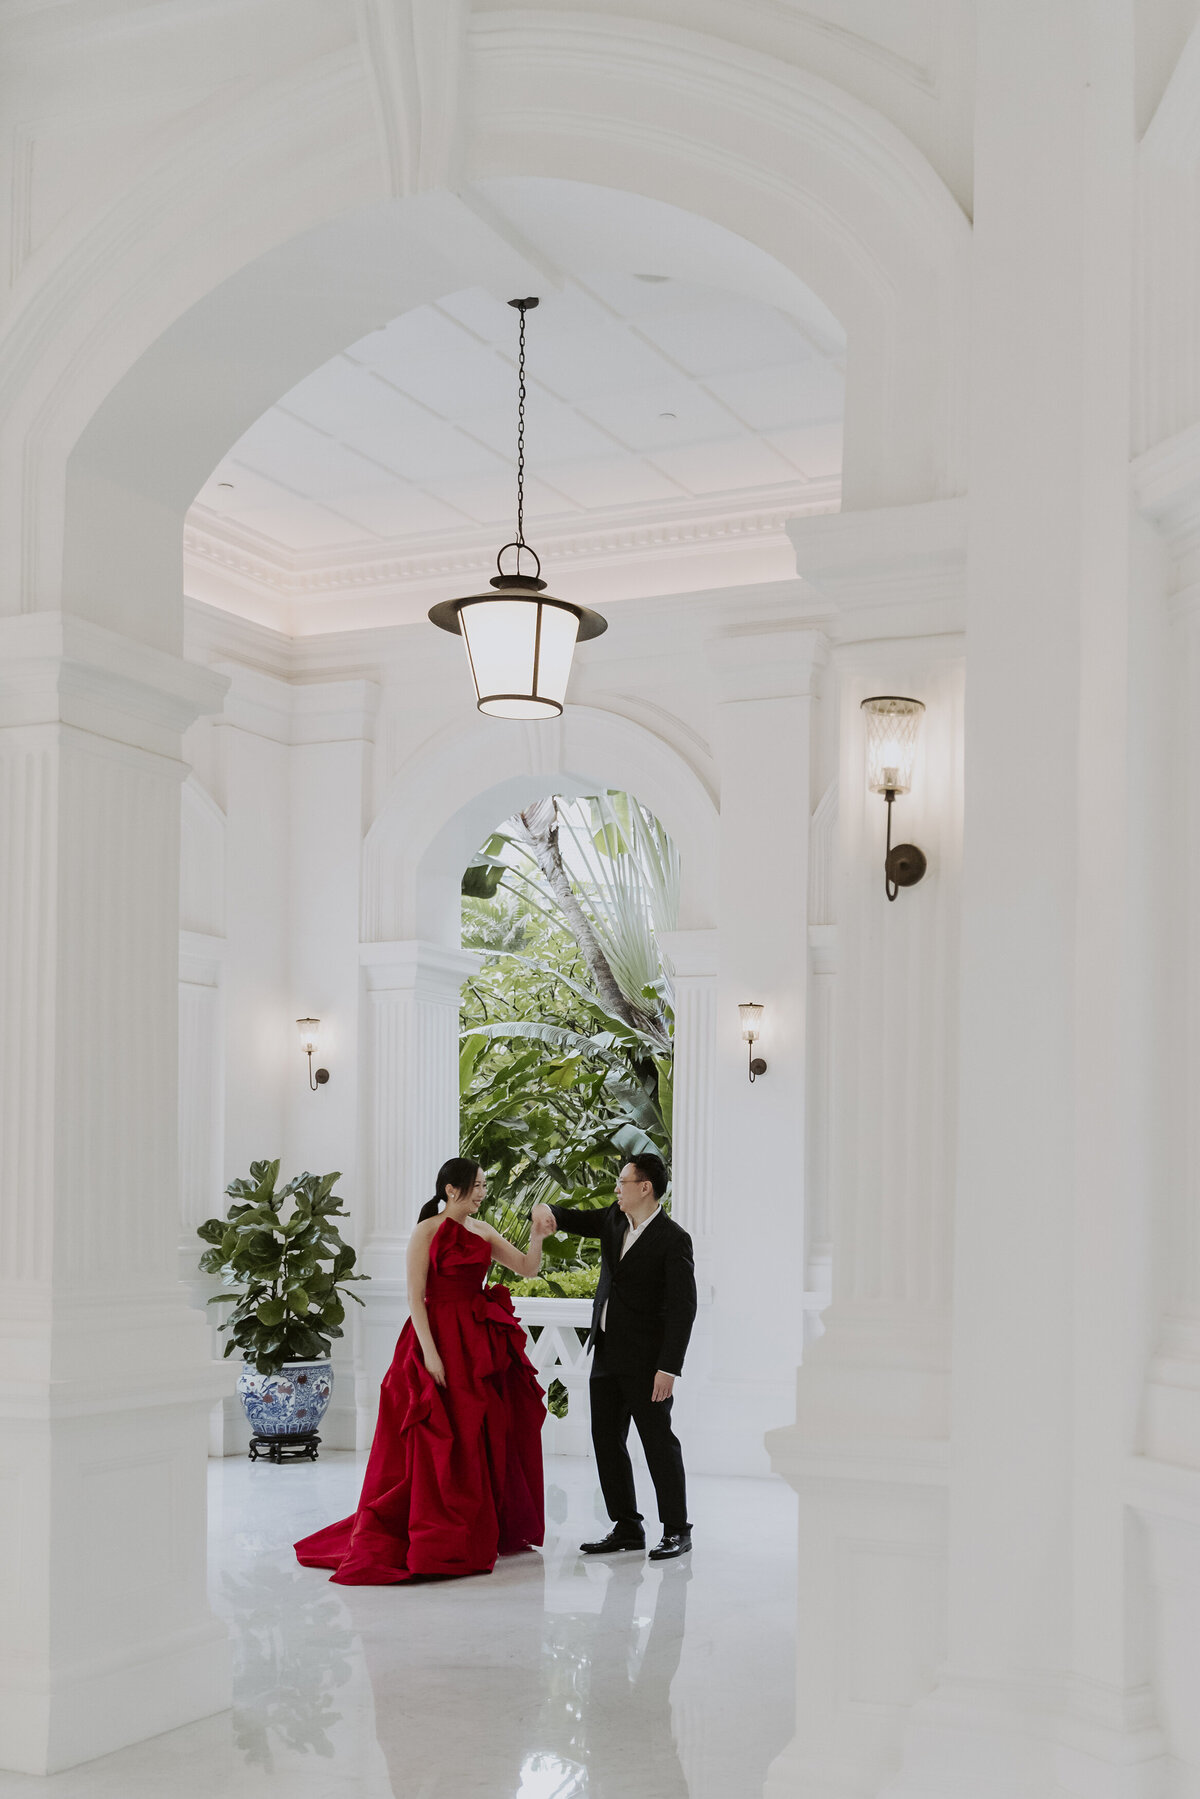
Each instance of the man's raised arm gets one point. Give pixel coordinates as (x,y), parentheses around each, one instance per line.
(577,1224)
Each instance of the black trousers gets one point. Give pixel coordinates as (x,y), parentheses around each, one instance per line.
(617,1397)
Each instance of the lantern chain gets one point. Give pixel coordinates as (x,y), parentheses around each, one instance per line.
(521,436)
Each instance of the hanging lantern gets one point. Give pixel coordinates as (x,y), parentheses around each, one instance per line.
(519,639)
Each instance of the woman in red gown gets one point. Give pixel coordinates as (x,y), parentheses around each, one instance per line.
(455,1472)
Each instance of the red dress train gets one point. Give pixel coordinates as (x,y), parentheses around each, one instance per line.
(455,1472)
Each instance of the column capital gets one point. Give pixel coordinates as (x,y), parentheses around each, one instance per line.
(693,954)
(409,965)
(290,712)
(59,669)
(898,571)
(777,662)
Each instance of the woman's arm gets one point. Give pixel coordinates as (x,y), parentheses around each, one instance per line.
(418,1270)
(526,1262)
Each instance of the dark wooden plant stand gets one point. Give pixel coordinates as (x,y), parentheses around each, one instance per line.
(299,1446)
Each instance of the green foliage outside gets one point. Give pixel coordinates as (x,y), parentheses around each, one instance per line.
(567,1283)
(566,1053)
(281,1257)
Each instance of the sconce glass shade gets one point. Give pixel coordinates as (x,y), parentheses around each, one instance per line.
(751,1017)
(519,644)
(893,725)
(310,1034)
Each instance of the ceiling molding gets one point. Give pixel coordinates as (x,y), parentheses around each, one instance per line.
(213,543)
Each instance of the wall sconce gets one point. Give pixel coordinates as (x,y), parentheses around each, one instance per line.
(310,1043)
(751,1017)
(892,728)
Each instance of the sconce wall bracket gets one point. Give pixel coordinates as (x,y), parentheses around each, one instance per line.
(904,864)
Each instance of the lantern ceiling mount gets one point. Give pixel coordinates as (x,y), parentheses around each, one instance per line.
(519,639)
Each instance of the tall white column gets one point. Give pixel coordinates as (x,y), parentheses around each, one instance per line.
(867,1454)
(329,766)
(882,1367)
(105,1633)
(1044,1690)
(693,955)
(412,994)
(1172,1404)
(765,686)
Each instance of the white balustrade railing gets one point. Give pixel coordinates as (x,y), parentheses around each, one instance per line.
(557,1330)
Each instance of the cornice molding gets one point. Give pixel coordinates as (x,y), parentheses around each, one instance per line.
(624,537)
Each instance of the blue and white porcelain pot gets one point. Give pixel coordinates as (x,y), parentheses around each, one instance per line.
(291,1403)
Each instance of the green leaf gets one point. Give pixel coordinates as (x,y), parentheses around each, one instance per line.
(271,1311)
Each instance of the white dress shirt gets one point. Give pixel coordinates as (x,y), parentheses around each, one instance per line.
(632,1233)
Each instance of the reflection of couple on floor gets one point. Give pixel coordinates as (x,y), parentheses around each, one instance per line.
(455,1472)
(578,1701)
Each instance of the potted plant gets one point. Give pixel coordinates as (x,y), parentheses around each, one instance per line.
(281,1258)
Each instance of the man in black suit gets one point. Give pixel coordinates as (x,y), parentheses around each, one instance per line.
(641,1321)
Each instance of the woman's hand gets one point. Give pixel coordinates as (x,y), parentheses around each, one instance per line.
(543,1222)
(436,1367)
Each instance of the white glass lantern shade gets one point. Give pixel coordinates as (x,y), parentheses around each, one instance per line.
(520,655)
(893,725)
(519,644)
(310,1034)
(751,1017)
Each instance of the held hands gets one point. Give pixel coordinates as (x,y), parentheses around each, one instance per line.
(542,1222)
(664,1385)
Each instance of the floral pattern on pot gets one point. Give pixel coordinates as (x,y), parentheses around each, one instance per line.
(287,1404)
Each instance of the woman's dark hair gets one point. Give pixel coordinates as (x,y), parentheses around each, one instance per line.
(651,1168)
(459,1172)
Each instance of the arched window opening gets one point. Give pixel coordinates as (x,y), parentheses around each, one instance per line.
(567,1027)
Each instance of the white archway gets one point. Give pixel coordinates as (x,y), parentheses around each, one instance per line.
(186,313)
(448,796)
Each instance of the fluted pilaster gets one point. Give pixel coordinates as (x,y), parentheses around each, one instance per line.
(103,1426)
(412,996)
(693,955)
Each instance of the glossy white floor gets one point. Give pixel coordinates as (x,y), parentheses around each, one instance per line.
(556,1677)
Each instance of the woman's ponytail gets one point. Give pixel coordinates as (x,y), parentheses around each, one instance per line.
(459,1172)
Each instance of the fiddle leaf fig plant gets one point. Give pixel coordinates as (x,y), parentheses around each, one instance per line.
(281,1257)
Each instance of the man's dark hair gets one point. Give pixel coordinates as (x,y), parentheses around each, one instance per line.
(651,1168)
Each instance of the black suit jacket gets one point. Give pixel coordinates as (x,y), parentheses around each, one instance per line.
(651,1292)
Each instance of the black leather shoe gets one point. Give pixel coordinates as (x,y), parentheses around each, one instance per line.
(673,1544)
(616,1540)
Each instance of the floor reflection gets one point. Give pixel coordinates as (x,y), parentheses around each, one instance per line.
(291,1649)
(578,1704)
(556,1677)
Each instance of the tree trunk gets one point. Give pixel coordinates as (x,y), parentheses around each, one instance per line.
(539,825)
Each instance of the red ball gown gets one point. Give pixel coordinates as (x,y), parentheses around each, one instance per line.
(455,1472)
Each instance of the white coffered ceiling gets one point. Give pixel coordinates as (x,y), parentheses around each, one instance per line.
(657,406)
